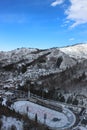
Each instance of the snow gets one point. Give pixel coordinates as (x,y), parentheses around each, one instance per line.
(77,51)
(8,85)
(65,119)
(9,121)
(8,93)
(80,128)
(4,101)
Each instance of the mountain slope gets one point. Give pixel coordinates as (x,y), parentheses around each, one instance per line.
(50,69)
(78,51)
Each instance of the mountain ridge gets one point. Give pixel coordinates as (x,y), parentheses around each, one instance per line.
(51,69)
(76,51)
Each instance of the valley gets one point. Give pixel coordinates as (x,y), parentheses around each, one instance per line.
(51,79)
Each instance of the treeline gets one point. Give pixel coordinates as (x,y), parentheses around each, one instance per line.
(27,123)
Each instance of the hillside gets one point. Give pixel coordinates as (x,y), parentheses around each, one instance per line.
(50,70)
(78,51)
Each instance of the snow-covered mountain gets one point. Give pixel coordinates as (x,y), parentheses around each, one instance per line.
(78,51)
(49,69)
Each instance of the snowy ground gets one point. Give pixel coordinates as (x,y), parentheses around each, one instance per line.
(77,51)
(54,119)
(8,122)
(80,128)
(4,101)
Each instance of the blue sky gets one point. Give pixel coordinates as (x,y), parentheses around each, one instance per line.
(42,23)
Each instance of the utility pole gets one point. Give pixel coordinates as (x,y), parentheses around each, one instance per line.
(29,91)
(45,117)
(28,94)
